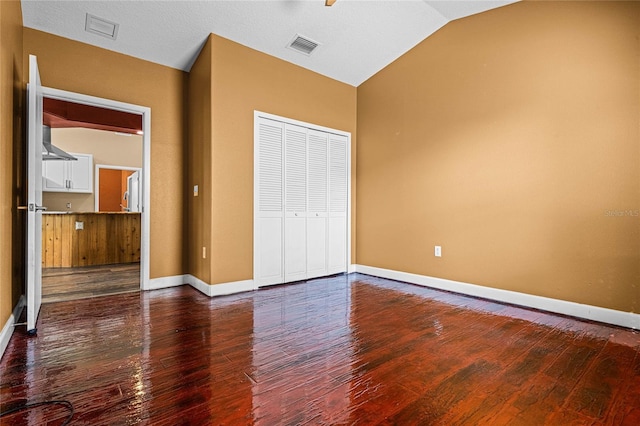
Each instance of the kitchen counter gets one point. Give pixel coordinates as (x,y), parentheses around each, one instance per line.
(71,239)
(66,212)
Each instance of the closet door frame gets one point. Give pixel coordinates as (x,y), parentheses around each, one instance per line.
(257,115)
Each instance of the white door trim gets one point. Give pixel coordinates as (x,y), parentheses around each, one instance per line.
(145,112)
(256,116)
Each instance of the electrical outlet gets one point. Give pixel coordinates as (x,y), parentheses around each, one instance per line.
(438,251)
(79,225)
(204,252)
(68,205)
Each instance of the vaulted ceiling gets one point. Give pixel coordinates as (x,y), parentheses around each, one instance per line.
(357,38)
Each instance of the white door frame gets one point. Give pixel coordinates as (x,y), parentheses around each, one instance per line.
(96,189)
(256,131)
(145,112)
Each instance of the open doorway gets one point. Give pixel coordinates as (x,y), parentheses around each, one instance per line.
(117,188)
(93,234)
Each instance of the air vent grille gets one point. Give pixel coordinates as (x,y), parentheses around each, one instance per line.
(303,44)
(99,26)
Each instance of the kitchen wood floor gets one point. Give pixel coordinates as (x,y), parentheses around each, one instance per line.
(63,284)
(352,350)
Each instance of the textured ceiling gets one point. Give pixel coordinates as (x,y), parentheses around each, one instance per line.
(357,37)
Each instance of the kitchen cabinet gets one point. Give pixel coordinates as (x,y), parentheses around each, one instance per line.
(68,176)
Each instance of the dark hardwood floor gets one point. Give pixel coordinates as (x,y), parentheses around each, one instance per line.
(350,350)
(62,284)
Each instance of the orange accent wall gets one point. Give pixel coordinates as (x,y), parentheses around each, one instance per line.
(110,190)
(139,82)
(12,185)
(511,139)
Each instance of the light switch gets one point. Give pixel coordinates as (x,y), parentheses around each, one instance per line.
(195,190)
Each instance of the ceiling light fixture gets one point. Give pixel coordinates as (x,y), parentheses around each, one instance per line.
(102,27)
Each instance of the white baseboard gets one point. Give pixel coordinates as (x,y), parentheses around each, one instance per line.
(9,326)
(166,282)
(595,313)
(210,290)
(222,289)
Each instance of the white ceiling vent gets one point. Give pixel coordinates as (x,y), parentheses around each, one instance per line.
(303,44)
(101,27)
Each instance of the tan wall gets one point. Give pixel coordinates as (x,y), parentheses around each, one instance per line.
(198,168)
(77,67)
(244,80)
(107,148)
(11,156)
(506,138)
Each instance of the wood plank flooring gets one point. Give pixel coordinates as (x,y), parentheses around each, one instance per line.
(63,284)
(349,350)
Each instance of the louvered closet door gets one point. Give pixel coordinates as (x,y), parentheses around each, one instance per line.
(270,213)
(338,180)
(295,227)
(317,196)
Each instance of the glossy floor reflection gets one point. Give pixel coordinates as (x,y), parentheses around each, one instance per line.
(342,350)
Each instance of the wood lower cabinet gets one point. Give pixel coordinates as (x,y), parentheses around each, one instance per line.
(106,238)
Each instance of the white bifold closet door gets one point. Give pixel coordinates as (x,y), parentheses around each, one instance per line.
(301,215)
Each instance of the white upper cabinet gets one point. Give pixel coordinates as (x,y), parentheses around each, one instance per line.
(68,176)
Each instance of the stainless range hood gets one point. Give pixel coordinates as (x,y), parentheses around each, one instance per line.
(51,152)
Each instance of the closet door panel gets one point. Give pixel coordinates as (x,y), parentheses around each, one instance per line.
(338,180)
(317,161)
(295,175)
(269,224)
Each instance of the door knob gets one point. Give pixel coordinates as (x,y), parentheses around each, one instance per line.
(32,208)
